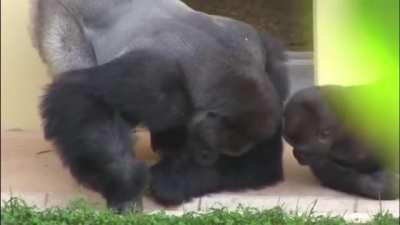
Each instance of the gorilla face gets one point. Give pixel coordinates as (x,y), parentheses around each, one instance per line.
(212,134)
(310,126)
(242,112)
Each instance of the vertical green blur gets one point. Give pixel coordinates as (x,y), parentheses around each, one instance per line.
(357,42)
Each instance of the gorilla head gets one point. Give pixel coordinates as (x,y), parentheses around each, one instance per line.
(316,125)
(212,134)
(236,121)
(313,127)
(309,125)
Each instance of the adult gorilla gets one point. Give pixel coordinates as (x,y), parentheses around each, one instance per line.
(226,82)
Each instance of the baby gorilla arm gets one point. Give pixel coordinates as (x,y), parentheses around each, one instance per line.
(378,185)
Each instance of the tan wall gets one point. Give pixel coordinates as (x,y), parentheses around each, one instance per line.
(23,75)
(337,45)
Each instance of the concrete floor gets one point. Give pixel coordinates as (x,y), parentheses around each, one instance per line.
(30,169)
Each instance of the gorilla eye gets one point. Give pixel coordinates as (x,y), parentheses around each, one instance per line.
(325,133)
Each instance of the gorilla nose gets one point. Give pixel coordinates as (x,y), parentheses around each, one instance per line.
(205,158)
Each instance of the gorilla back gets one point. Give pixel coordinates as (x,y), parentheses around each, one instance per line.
(74,34)
(204,85)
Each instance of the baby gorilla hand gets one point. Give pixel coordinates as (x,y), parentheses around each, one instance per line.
(382,185)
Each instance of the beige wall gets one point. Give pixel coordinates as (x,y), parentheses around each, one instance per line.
(23,75)
(340,43)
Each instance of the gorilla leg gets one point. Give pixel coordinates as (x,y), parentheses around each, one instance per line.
(259,167)
(95,142)
(378,185)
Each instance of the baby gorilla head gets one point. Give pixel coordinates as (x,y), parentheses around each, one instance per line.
(315,125)
(310,126)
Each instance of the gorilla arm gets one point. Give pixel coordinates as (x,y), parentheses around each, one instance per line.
(378,185)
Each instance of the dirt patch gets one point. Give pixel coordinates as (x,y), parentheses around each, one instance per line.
(289,20)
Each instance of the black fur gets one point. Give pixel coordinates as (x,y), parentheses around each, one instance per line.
(89,112)
(321,138)
(209,88)
(178,178)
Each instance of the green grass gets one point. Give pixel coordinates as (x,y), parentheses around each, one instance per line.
(17,212)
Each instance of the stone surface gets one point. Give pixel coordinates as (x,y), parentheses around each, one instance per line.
(30,169)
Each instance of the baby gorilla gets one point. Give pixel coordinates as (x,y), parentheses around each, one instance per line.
(339,159)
